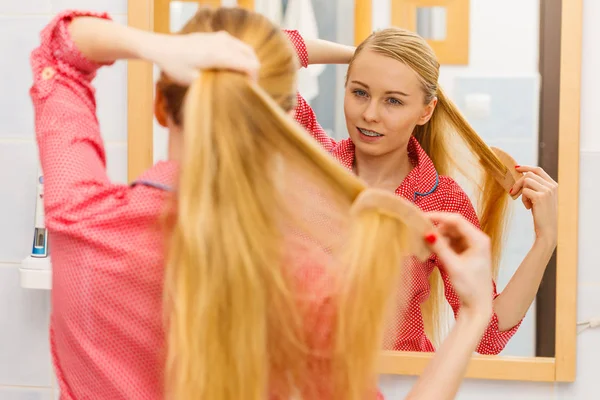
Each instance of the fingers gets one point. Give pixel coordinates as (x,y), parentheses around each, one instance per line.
(536,186)
(535,170)
(459,245)
(460,233)
(518,185)
(240,56)
(526,199)
(539,179)
(533,197)
(218,50)
(534,181)
(247,58)
(441,246)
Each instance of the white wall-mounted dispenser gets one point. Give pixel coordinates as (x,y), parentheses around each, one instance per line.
(40,235)
(36,269)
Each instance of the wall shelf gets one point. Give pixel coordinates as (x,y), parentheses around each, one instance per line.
(36,273)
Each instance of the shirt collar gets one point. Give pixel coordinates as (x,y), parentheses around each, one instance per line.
(162,176)
(420,182)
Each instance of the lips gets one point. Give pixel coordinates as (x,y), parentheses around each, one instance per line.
(369,133)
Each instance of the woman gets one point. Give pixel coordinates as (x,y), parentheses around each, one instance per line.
(242,318)
(401,128)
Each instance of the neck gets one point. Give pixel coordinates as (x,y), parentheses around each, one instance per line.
(175,147)
(386,171)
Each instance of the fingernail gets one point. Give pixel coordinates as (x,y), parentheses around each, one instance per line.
(510,192)
(517,166)
(430,238)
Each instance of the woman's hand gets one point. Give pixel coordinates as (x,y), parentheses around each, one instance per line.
(465,252)
(540,195)
(182,57)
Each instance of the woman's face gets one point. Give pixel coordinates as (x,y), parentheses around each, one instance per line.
(383,103)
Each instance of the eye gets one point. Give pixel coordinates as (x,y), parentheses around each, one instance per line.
(395,102)
(359,92)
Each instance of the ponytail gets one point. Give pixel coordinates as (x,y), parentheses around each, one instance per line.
(225,290)
(236,326)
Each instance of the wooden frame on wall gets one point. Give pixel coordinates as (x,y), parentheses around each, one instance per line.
(453,50)
(549,68)
(146,14)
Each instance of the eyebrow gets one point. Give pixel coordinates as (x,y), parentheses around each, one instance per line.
(388,92)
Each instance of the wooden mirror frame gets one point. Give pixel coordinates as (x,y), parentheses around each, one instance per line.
(453,50)
(147,15)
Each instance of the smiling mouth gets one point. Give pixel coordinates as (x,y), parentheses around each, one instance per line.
(369,133)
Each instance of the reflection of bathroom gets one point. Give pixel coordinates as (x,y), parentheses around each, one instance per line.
(498,90)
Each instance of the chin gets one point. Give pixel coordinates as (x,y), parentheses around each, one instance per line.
(369,149)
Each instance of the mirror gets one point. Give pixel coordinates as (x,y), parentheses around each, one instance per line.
(500,89)
(431,22)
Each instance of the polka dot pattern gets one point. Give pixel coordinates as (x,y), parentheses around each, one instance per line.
(430,192)
(106,328)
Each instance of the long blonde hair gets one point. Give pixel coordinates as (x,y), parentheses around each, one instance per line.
(445,132)
(251,183)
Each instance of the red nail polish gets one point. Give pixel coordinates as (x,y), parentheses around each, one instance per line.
(517,166)
(510,192)
(430,238)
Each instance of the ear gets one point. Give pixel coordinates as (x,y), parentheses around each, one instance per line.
(160,110)
(428,112)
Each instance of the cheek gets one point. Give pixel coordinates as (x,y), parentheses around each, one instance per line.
(350,107)
(400,119)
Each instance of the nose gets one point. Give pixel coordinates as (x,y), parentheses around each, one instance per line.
(371,112)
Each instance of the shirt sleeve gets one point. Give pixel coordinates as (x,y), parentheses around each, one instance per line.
(493,340)
(71,150)
(304,113)
(299,45)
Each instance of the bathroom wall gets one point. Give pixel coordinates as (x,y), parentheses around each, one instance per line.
(25,369)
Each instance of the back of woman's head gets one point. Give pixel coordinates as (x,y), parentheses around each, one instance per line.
(257,238)
(278,68)
(443,138)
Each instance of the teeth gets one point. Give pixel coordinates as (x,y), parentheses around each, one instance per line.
(369,133)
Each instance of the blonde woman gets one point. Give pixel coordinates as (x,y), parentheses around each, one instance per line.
(401,129)
(198,281)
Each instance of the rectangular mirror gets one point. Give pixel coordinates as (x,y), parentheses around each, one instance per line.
(498,84)
(499,87)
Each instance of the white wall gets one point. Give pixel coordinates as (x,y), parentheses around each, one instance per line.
(25,370)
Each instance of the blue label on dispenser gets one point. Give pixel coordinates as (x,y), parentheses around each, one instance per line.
(40,243)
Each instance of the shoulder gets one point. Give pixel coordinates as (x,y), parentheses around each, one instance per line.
(456,199)
(449,188)
(343,151)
